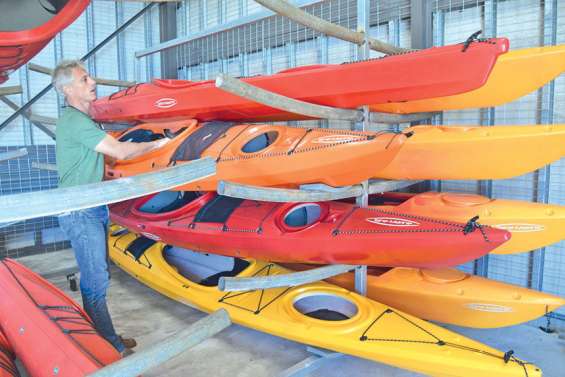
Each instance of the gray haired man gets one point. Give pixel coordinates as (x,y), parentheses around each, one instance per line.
(81,146)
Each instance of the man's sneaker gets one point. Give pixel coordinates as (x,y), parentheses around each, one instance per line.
(127,352)
(128,342)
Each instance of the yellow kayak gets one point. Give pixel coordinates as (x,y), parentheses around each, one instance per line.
(451,296)
(318,314)
(533,225)
(462,152)
(514,75)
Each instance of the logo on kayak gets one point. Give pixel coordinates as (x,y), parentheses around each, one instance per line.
(491,308)
(334,139)
(520,228)
(392,221)
(165,103)
(151,236)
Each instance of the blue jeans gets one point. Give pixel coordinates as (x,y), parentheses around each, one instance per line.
(87,230)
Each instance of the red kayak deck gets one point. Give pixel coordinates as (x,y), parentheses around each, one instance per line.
(327,232)
(7,364)
(19,41)
(57,335)
(437,71)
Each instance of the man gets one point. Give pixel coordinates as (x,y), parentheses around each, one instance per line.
(81,146)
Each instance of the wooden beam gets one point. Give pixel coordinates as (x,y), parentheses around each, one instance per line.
(243,89)
(298,15)
(43,166)
(109,82)
(308,193)
(34,204)
(13,154)
(7,90)
(291,279)
(156,354)
(49,130)
(43,119)
(291,105)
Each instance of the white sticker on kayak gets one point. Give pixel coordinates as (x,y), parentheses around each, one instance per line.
(151,236)
(165,103)
(392,221)
(491,308)
(333,139)
(520,228)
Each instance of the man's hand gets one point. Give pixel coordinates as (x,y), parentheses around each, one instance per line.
(127,150)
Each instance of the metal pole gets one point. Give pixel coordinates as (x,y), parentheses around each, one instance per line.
(487,119)
(545,116)
(140,362)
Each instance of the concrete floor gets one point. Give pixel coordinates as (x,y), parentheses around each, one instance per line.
(142,313)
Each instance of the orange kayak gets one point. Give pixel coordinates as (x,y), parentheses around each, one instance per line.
(264,155)
(514,75)
(463,152)
(533,225)
(451,296)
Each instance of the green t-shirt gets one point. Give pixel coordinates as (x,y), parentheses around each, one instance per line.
(77,161)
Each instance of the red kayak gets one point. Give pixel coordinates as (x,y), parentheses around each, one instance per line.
(28,25)
(437,71)
(326,232)
(7,364)
(49,332)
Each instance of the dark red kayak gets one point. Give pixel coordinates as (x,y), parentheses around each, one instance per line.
(49,332)
(326,232)
(437,71)
(26,26)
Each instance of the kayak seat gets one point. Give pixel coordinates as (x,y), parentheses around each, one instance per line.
(260,142)
(204,269)
(141,136)
(302,215)
(327,315)
(139,246)
(212,281)
(197,142)
(217,210)
(167,201)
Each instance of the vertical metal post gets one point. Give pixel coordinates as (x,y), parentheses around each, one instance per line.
(27,133)
(438,33)
(421,23)
(291,51)
(58,55)
(323,58)
(203,14)
(168,31)
(487,119)
(544,116)
(148,29)
(90,39)
(393,27)
(363,25)
(120,43)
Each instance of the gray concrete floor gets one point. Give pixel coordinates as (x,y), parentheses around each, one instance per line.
(142,313)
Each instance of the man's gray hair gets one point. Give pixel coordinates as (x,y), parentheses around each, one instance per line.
(63,73)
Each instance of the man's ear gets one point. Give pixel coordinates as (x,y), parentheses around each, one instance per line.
(67,90)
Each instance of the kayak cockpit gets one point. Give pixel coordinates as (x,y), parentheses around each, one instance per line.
(200,268)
